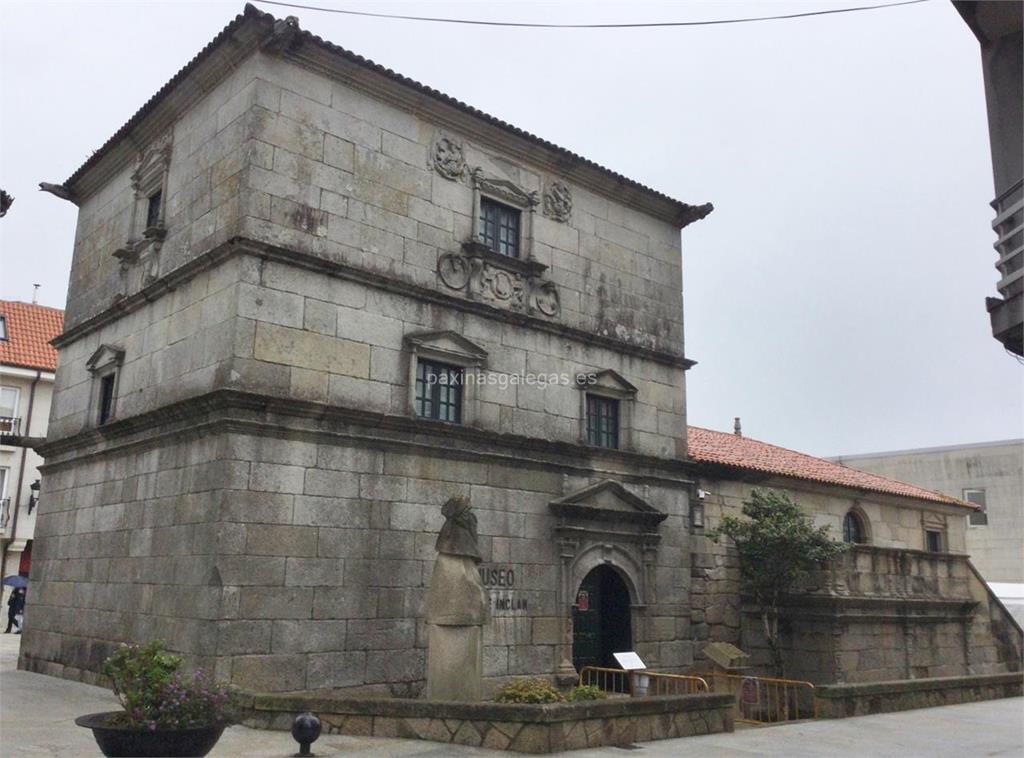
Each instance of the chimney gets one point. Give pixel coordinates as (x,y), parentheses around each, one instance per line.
(35,294)
(737,428)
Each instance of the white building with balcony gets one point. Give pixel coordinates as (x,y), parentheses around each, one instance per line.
(27,366)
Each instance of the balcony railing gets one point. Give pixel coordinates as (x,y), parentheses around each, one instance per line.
(1006,313)
(10,426)
(881,572)
(1009,228)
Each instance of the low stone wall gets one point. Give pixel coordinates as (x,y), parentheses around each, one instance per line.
(842,700)
(520,728)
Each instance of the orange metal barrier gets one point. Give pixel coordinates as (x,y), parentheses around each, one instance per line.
(618,680)
(609,680)
(767,700)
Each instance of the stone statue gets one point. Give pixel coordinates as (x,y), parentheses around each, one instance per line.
(456,609)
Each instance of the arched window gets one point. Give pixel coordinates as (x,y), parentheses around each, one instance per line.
(853,529)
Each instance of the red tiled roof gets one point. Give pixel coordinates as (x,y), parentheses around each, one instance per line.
(724,449)
(29,331)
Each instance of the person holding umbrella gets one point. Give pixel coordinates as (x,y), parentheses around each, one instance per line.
(15,603)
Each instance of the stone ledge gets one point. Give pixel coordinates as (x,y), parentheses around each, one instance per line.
(551,712)
(236,411)
(843,700)
(516,727)
(862,689)
(242,246)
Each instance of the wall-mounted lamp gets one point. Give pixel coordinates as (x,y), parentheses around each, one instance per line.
(33,498)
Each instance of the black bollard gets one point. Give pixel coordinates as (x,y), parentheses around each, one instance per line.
(305,730)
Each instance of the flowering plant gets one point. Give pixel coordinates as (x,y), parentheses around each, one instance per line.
(155,695)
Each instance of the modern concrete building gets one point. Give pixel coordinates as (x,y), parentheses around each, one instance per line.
(310,301)
(27,366)
(990,474)
(999,27)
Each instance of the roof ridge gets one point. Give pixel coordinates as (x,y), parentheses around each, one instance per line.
(869,481)
(31,305)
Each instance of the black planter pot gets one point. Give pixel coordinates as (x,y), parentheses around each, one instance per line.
(122,742)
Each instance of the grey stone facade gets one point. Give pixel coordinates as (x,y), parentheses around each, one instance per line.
(264,497)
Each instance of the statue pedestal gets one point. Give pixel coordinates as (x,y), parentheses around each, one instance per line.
(455,662)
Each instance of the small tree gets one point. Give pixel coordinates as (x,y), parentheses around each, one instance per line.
(779,547)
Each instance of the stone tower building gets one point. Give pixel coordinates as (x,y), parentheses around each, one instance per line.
(310,301)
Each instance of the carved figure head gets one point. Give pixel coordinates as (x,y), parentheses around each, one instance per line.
(558,201)
(448,158)
(458,535)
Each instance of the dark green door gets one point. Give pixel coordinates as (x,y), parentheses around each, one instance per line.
(600,619)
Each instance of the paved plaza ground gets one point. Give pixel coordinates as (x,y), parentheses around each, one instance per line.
(37,719)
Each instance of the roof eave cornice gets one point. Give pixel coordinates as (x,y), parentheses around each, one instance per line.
(340,64)
(253,30)
(231,46)
(716,470)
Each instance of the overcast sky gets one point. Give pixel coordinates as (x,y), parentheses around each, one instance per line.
(834,299)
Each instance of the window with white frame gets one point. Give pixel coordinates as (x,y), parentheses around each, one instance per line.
(3,327)
(5,502)
(979,517)
(9,420)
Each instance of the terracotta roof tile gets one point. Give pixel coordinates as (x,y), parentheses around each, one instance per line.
(29,331)
(724,449)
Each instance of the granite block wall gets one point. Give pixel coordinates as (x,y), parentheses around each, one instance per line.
(264,497)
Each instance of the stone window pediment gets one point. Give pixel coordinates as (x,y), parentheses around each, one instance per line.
(504,190)
(106,357)
(448,346)
(609,383)
(607,501)
(104,365)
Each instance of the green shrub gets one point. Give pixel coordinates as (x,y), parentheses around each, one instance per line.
(528,691)
(585,692)
(155,695)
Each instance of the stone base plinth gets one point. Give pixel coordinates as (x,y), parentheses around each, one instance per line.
(842,700)
(455,663)
(519,728)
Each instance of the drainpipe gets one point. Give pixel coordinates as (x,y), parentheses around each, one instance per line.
(21,470)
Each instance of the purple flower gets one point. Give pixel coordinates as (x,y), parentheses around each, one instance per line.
(152,726)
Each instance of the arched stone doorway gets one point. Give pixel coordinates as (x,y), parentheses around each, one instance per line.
(601,619)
